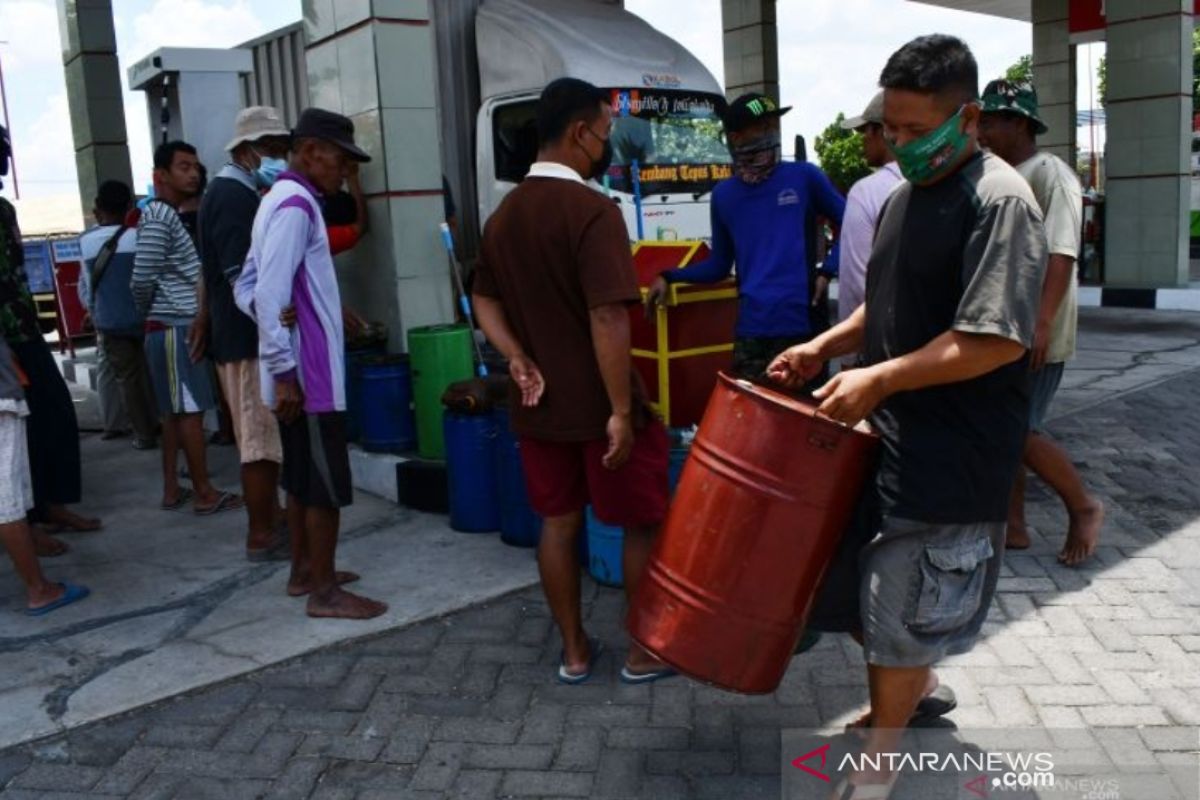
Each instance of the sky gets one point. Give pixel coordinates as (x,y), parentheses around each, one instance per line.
(831,52)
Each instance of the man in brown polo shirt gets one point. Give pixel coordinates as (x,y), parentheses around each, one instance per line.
(552,291)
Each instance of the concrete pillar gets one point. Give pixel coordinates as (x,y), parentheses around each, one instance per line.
(1054,77)
(1149,113)
(373,60)
(89,48)
(751,47)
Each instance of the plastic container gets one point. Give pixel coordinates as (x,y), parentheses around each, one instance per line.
(441,355)
(763,501)
(354,388)
(520,526)
(605,545)
(471,472)
(384,403)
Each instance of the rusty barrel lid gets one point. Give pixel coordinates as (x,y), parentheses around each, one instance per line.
(790,401)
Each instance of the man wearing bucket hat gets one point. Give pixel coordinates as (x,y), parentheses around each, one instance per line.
(758,221)
(1009,127)
(289,265)
(863,205)
(257,151)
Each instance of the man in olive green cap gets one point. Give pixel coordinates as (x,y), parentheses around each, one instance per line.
(1009,127)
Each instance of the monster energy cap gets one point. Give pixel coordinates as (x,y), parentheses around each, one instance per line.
(749,109)
(1013,97)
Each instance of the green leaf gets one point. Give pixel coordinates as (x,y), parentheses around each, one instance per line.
(1022,70)
(840,153)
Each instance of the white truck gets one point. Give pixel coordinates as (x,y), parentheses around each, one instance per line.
(494,58)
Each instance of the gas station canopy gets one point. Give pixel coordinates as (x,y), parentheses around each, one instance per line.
(1012,9)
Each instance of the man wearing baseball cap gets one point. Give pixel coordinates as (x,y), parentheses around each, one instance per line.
(289,266)
(257,156)
(863,205)
(758,221)
(1009,128)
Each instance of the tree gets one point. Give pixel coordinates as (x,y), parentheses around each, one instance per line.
(1021,71)
(840,153)
(1195,70)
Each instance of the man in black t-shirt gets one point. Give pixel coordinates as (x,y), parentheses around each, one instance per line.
(953,285)
(260,142)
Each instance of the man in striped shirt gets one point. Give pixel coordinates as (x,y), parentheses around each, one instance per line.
(166,271)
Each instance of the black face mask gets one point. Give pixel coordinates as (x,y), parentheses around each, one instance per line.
(599,168)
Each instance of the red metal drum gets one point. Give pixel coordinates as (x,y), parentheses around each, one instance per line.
(762,503)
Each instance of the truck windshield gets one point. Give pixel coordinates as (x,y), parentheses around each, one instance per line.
(674,136)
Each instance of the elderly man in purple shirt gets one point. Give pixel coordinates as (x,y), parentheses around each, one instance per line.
(863,206)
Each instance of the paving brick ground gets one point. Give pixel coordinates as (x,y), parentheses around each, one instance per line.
(465,706)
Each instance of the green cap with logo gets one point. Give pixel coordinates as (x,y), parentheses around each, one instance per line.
(1013,97)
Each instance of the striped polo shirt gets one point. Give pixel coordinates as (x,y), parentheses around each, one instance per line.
(166,267)
(289,264)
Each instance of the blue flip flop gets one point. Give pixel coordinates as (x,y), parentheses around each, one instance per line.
(71,593)
(636,678)
(574,679)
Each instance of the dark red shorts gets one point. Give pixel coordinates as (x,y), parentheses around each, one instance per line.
(563,477)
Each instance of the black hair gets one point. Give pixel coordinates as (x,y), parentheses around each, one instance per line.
(114,197)
(564,101)
(936,64)
(164,154)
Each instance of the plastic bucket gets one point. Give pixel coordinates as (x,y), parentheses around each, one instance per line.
(520,526)
(441,355)
(384,403)
(353,377)
(471,472)
(605,543)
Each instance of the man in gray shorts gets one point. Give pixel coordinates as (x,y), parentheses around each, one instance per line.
(952,296)
(1009,127)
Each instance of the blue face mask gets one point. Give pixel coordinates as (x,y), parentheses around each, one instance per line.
(268,171)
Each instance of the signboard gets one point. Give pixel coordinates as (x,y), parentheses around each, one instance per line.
(66,250)
(1086,20)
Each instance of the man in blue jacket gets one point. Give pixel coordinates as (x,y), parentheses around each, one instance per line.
(758,221)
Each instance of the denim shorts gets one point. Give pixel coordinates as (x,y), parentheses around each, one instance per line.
(917,591)
(1043,387)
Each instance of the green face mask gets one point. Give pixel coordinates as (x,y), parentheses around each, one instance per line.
(930,158)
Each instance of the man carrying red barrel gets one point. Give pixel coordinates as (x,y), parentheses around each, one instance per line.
(953,286)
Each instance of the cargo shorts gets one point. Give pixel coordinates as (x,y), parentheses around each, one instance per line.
(917,591)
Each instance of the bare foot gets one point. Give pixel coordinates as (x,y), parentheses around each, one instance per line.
(340,604)
(1083,534)
(1017,537)
(301,587)
(46,546)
